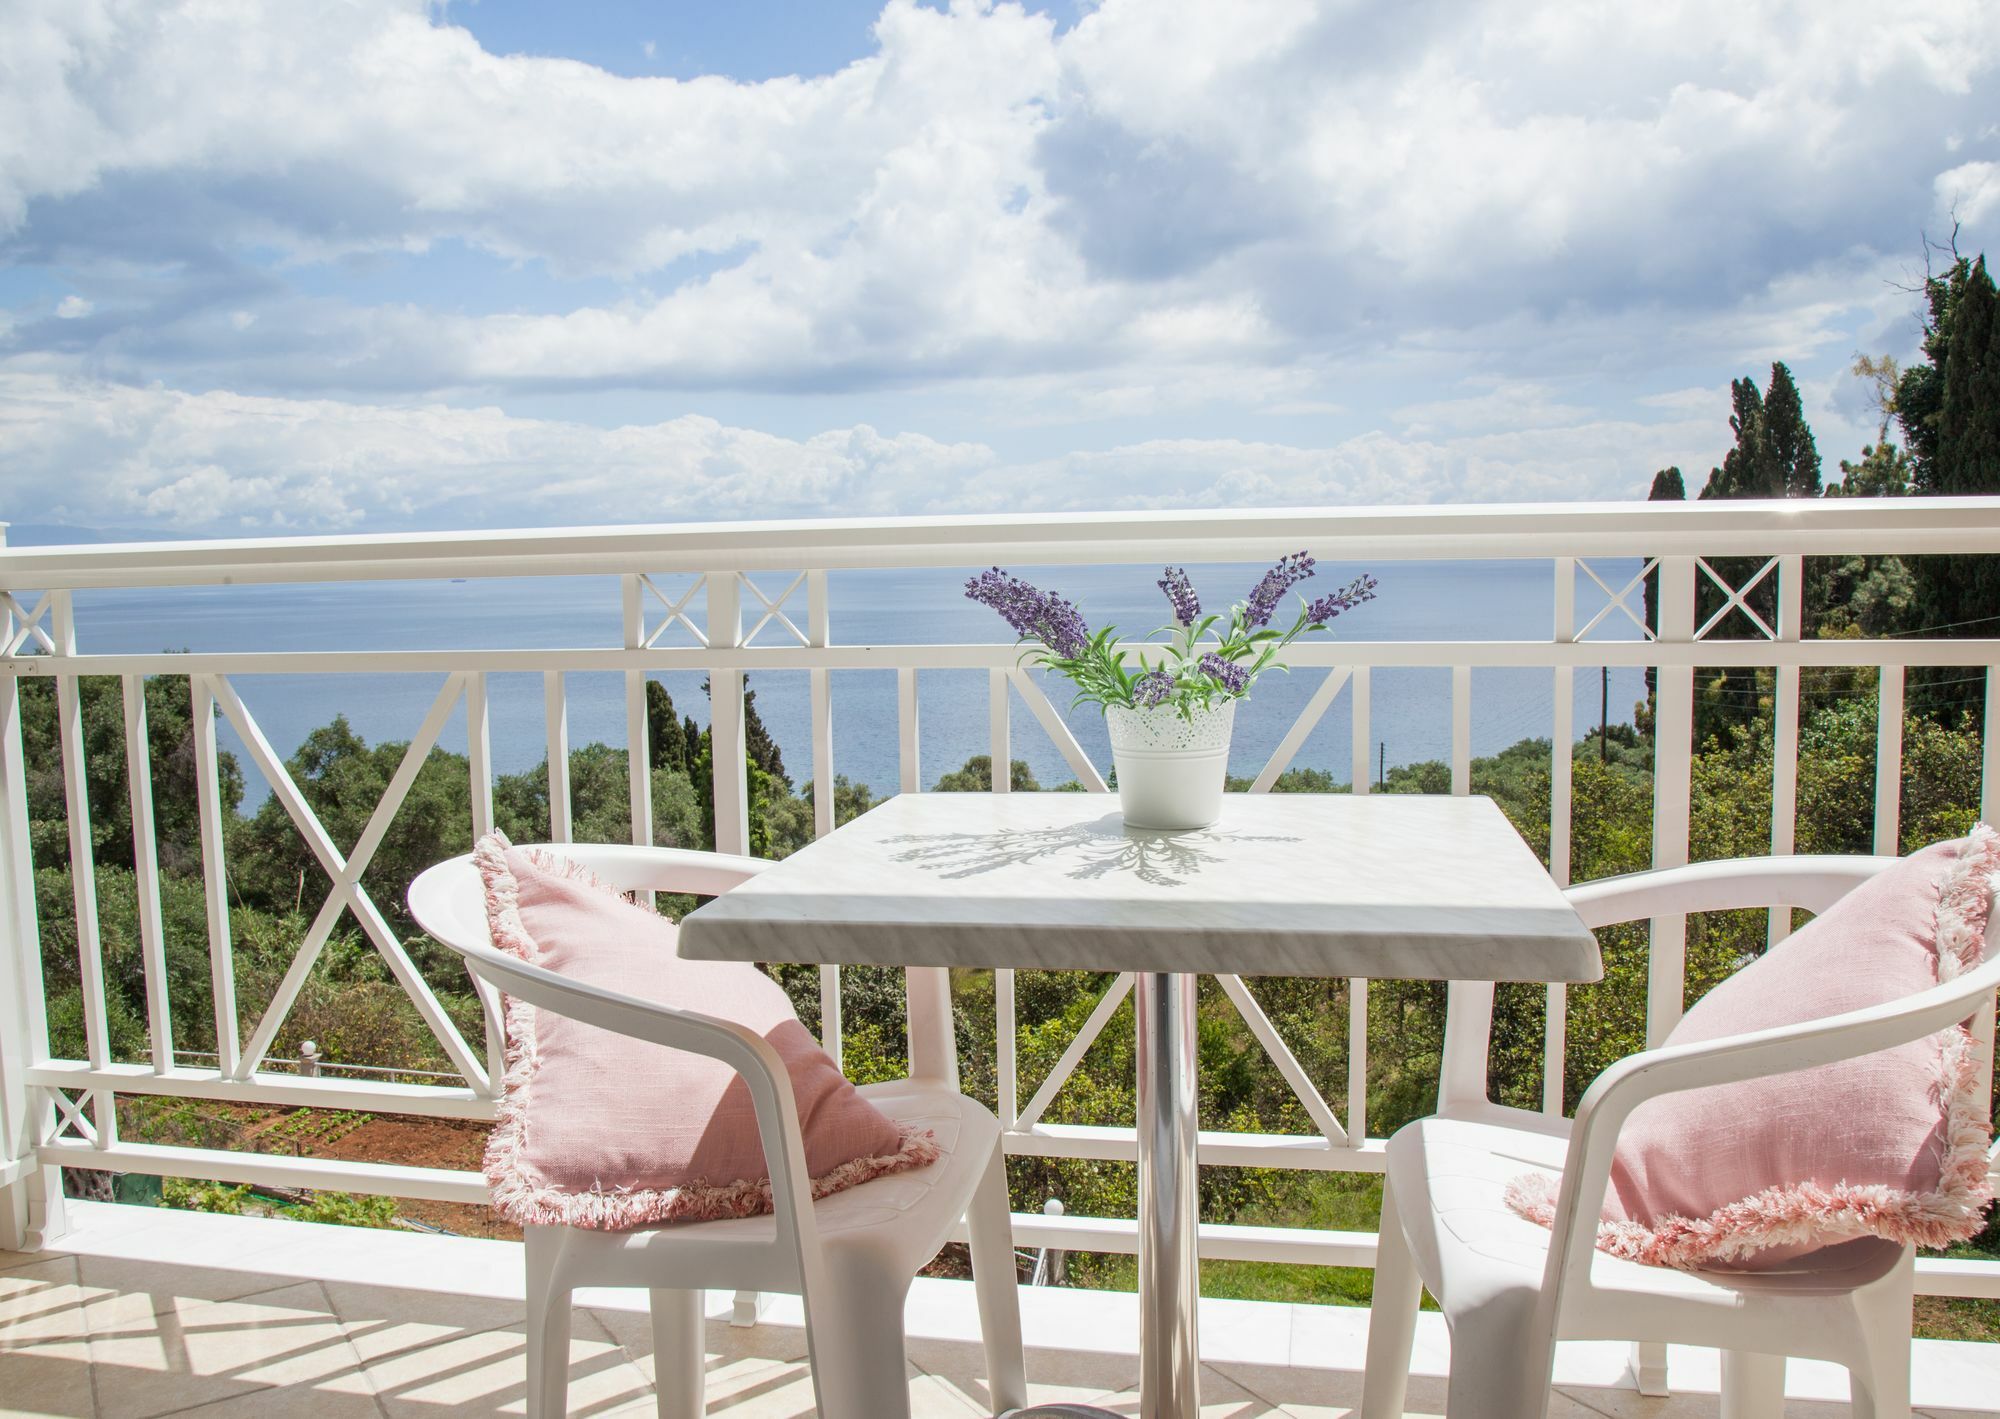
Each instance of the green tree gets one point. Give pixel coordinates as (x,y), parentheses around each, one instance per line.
(170,745)
(1949,407)
(850,799)
(666,737)
(343,779)
(1774,455)
(977,777)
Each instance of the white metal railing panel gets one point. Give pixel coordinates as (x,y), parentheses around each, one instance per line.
(684,592)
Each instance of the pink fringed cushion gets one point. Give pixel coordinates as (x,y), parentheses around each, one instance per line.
(600,1130)
(1892,1145)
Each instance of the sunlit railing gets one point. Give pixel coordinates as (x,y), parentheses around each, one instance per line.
(57,1112)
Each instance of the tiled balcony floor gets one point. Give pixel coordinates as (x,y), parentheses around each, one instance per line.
(144,1313)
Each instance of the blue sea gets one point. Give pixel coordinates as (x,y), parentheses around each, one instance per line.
(1410,709)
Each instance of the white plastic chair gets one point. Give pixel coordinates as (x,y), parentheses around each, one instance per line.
(1510,1289)
(849,1257)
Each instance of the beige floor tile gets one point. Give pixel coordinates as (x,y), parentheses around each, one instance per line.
(49,1379)
(385,1320)
(291,1402)
(39,1302)
(154,1355)
(1221,1398)
(1336,1394)
(723,1343)
(11,1259)
(167,1283)
(486,1372)
(1054,1376)
(746,1390)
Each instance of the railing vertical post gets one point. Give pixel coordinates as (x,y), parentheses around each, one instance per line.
(1673,788)
(725,708)
(1989,778)
(83,868)
(1785,727)
(1889,761)
(638,743)
(1361,760)
(1562,765)
(998,739)
(214,876)
(730,779)
(909,762)
(1461,730)
(31,1200)
(479,753)
(146,873)
(555,710)
(479,769)
(819,632)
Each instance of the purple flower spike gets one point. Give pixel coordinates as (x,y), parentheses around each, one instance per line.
(1047,617)
(1180,592)
(1152,688)
(1233,677)
(1263,599)
(1361,589)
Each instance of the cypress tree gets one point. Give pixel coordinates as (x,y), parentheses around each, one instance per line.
(1958,412)
(666,741)
(1774,457)
(1668,487)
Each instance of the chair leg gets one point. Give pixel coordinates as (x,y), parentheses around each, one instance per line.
(679,1363)
(548,1325)
(1753,1385)
(996,1281)
(855,1332)
(1392,1318)
(1878,1376)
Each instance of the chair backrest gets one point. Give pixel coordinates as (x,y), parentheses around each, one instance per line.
(449,900)
(1812,883)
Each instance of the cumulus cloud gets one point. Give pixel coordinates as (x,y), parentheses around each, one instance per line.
(1166,187)
(96,454)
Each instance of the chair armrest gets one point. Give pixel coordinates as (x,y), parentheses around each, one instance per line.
(634,868)
(1671,1069)
(1812,882)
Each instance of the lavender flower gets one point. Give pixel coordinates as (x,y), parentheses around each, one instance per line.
(1233,677)
(1180,592)
(1263,599)
(1361,589)
(1047,617)
(1152,688)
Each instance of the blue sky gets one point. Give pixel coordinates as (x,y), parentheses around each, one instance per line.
(389,264)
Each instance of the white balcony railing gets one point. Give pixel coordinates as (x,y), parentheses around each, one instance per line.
(57,1111)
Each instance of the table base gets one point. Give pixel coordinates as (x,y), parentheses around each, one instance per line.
(1169,1271)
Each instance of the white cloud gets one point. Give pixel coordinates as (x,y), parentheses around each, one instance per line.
(93,453)
(1170,186)
(1969,192)
(72,308)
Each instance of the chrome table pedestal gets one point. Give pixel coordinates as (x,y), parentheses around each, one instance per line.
(1169,1271)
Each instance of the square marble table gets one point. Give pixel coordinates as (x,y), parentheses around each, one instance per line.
(1377,885)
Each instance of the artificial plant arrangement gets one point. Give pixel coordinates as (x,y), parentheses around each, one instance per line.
(1180,666)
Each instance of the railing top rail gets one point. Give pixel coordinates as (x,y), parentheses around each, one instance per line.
(1830,526)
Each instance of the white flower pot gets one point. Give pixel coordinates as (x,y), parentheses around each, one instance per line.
(1170,769)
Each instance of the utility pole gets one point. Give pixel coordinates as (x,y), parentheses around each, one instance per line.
(1603,713)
